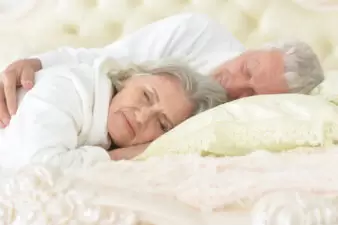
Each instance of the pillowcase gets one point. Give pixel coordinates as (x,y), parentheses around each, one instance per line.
(270,122)
(328,88)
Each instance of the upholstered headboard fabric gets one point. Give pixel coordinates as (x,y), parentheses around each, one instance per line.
(33,26)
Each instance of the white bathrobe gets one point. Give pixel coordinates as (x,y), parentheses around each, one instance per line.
(62,121)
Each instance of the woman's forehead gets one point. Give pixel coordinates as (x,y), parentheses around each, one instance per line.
(155,82)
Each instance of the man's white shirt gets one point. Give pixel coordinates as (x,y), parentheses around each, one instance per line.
(194,38)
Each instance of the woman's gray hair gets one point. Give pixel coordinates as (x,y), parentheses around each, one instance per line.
(203,91)
(303,70)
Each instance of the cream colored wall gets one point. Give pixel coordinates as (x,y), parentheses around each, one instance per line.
(34,26)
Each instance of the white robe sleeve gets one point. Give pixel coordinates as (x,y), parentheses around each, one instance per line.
(187,35)
(147,43)
(47,125)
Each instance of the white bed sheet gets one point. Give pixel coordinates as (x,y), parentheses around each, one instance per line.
(262,188)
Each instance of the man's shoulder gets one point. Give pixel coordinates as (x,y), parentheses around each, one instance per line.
(190,16)
(185,18)
(199,24)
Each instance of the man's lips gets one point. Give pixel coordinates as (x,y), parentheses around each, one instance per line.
(129,124)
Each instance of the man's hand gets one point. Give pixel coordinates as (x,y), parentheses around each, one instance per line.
(19,73)
(128,152)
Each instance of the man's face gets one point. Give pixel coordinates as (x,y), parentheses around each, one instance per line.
(253,73)
(147,107)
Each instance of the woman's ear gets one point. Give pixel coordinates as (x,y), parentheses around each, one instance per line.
(121,83)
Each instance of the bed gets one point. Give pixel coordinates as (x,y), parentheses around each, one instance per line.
(294,188)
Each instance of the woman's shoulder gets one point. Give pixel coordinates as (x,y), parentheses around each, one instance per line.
(75,73)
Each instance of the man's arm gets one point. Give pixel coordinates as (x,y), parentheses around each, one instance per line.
(47,125)
(190,35)
(150,42)
(194,37)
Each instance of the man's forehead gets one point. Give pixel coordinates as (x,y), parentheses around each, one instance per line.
(264,53)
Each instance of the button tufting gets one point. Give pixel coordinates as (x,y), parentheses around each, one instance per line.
(91,3)
(101,30)
(71,29)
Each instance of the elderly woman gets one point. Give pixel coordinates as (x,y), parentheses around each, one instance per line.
(74,113)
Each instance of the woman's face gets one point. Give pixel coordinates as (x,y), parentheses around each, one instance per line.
(147,107)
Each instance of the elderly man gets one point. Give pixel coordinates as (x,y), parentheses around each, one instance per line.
(204,44)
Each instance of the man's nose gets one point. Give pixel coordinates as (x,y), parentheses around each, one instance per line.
(247,89)
(145,114)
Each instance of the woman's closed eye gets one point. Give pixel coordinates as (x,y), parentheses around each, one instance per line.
(146,96)
(163,126)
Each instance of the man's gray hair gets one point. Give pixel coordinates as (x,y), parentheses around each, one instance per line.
(203,91)
(303,70)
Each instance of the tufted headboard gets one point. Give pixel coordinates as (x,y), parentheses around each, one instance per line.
(33,26)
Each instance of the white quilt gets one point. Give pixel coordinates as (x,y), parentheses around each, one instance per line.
(188,190)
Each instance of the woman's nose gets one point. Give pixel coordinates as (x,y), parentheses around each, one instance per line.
(144,114)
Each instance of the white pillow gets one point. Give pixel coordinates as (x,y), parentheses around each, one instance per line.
(328,89)
(270,122)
